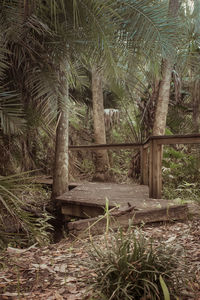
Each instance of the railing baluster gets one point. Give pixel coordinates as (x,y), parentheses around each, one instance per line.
(144,165)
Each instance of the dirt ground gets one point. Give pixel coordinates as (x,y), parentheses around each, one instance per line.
(60,271)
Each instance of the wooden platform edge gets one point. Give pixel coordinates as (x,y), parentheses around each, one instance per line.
(97,225)
(49,182)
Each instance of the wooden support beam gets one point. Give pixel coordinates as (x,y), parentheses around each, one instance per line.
(177,139)
(98,225)
(144,168)
(81,211)
(155,170)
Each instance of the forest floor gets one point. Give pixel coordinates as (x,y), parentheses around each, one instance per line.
(60,271)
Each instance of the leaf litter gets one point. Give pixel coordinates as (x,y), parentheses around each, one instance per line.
(60,271)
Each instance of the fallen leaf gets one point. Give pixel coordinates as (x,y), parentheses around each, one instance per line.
(61,268)
(58,296)
(171,239)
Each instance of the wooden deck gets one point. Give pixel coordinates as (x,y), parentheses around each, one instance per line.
(89,199)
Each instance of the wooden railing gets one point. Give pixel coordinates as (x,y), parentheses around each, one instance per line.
(151,157)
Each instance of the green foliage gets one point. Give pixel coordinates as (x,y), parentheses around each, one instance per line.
(120,164)
(87,166)
(129,266)
(11,112)
(22,222)
(185,192)
(164,288)
(181,173)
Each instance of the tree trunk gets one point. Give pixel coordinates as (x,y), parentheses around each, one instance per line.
(163,99)
(196,105)
(60,173)
(164,88)
(102,160)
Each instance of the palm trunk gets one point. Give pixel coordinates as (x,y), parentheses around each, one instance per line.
(102,160)
(60,173)
(163,99)
(164,89)
(196,105)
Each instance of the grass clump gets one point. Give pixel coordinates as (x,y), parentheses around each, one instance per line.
(130,266)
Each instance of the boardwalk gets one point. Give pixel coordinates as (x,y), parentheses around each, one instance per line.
(89,199)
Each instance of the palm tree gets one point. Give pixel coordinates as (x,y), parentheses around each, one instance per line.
(189,60)
(102,160)
(47,37)
(164,87)
(140,28)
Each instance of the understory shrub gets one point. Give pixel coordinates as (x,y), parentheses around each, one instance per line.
(181,173)
(130,266)
(23,218)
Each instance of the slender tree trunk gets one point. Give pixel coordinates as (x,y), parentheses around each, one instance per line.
(147,110)
(102,160)
(196,105)
(164,89)
(163,99)
(60,173)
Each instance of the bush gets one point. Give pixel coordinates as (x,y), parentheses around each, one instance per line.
(130,266)
(23,219)
(181,174)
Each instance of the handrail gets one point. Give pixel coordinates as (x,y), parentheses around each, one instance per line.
(105,146)
(192,135)
(161,139)
(176,139)
(155,159)
(150,154)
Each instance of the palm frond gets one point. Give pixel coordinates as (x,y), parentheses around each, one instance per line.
(148,26)
(11,113)
(15,208)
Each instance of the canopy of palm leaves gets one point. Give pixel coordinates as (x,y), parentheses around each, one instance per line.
(39,37)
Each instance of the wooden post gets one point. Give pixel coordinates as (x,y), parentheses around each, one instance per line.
(155,170)
(150,169)
(141,165)
(144,165)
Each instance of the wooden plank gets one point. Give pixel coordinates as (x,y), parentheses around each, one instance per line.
(80,211)
(146,145)
(90,199)
(144,166)
(95,194)
(151,169)
(49,181)
(98,225)
(44,180)
(193,135)
(159,172)
(155,170)
(141,165)
(177,139)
